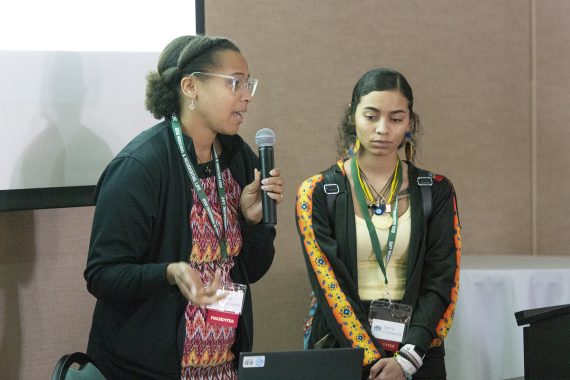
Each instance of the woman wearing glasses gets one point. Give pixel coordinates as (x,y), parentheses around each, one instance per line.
(177,218)
(374,227)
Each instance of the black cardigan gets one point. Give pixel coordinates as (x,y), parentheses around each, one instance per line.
(143,201)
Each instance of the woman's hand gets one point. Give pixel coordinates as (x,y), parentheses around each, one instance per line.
(250,201)
(188,281)
(387,369)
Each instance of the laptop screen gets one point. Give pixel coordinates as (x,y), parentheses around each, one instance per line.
(329,364)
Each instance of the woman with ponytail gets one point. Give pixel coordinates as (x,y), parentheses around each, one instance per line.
(381,240)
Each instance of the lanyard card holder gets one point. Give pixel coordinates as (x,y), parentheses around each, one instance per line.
(389,323)
(226,311)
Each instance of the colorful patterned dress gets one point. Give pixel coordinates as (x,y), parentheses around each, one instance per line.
(207,348)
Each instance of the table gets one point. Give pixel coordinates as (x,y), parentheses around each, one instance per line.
(485,341)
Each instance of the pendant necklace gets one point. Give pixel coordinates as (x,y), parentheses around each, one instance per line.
(380,203)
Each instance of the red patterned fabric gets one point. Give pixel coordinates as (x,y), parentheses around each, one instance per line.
(207,348)
(224,371)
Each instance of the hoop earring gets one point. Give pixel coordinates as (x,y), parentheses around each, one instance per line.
(409,147)
(192,106)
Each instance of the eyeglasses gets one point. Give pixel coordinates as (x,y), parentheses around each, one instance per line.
(239,85)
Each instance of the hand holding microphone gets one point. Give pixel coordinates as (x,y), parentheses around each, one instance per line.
(260,197)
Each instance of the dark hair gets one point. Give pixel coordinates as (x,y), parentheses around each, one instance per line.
(181,57)
(382,79)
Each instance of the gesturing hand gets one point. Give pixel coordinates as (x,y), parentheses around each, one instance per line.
(188,281)
(250,201)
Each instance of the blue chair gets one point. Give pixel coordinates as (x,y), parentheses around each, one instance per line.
(86,369)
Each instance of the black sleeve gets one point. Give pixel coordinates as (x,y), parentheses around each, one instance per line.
(258,250)
(126,210)
(440,269)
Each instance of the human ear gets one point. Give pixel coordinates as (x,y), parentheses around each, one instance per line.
(188,86)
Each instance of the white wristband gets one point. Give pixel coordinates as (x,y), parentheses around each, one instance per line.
(412,355)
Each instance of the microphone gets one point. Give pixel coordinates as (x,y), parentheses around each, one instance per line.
(265,139)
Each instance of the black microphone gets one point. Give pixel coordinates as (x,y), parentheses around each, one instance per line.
(265,139)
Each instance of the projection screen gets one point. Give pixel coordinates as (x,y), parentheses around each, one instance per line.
(72,85)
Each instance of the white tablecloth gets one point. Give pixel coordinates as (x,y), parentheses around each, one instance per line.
(485,342)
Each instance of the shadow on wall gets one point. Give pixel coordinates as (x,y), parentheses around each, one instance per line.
(61,154)
(17,261)
(65,152)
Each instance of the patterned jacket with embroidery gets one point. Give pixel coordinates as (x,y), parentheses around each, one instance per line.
(329,248)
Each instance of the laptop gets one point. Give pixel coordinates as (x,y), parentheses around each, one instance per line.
(325,364)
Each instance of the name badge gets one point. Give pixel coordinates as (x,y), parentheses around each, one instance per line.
(390,334)
(389,322)
(227,310)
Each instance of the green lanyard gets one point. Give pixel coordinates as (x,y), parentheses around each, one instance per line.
(371,229)
(197,185)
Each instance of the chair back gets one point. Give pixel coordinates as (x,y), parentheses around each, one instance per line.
(87,370)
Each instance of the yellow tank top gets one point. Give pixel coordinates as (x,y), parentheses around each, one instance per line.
(370,277)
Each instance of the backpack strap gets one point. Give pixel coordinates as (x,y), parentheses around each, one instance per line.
(425,183)
(332,189)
